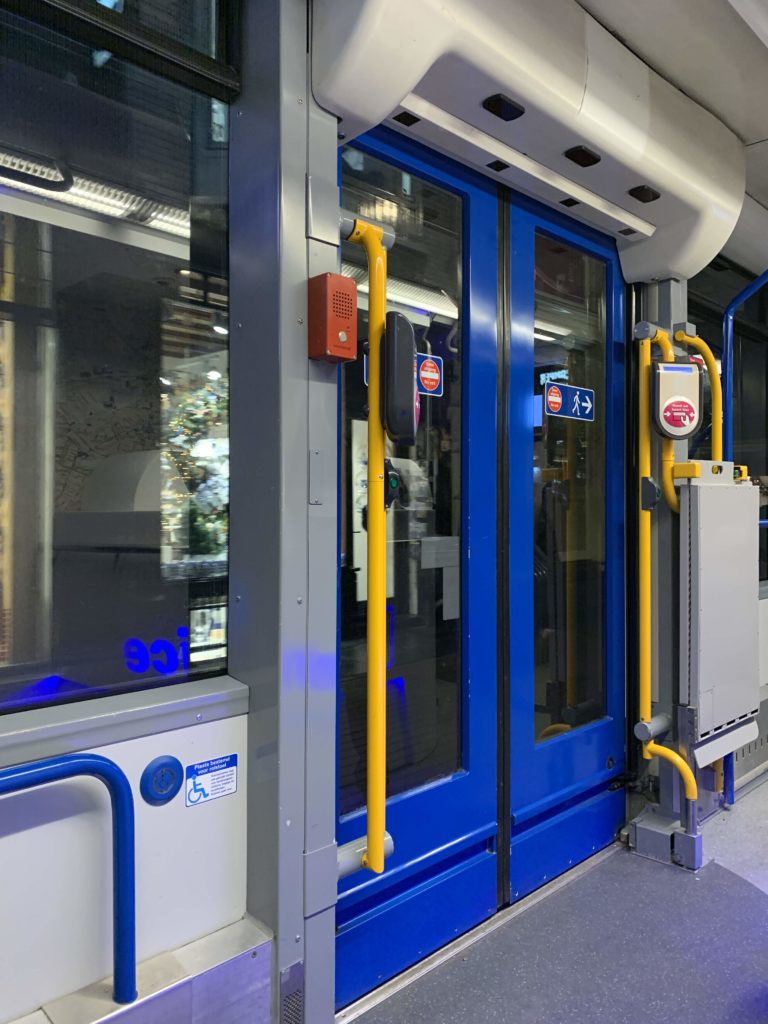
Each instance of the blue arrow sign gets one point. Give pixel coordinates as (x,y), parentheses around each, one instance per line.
(569,402)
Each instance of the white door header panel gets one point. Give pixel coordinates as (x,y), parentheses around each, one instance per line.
(425,67)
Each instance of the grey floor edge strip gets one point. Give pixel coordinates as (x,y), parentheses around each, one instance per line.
(408,977)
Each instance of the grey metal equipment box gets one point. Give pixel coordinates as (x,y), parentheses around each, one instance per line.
(719,595)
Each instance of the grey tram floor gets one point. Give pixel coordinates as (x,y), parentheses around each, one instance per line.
(625,942)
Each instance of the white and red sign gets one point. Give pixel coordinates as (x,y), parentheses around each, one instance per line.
(554,399)
(678,413)
(430,377)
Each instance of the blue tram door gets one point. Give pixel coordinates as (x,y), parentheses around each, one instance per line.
(501,752)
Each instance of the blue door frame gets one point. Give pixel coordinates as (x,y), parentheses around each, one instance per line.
(564,804)
(443,877)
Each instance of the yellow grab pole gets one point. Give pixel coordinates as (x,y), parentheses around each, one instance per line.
(651,749)
(716,388)
(644,539)
(370,237)
(661,338)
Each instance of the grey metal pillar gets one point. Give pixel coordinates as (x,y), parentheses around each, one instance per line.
(283,500)
(658,831)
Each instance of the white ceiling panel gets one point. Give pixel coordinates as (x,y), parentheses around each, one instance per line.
(705,48)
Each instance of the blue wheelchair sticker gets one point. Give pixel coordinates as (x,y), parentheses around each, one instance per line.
(208,780)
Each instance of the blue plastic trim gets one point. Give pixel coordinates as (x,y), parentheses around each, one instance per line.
(727,362)
(729,780)
(68,766)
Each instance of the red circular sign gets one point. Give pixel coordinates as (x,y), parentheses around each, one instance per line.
(679,413)
(554,399)
(429,375)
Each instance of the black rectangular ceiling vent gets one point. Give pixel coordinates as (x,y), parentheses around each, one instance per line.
(498,165)
(502,106)
(627,231)
(582,156)
(644,194)
(404,118)
(569,202)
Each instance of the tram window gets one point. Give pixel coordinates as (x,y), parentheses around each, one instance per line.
(709,292)
(114,464)
(568,488)
(424,529)
(192,23)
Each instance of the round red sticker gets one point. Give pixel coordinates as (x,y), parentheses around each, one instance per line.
(429,375)
(679,413)
(554,399)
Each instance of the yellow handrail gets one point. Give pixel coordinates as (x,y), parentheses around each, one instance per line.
(661,338)
(370,237)
(644,538)
(716,388)
(689,779)
(651,749)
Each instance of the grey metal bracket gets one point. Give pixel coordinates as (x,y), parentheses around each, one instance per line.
(650,494)
(660,837)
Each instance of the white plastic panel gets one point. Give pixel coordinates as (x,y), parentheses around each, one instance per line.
(439,59)
(719,613)
(56,868)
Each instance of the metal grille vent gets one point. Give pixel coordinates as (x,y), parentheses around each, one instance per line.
(292,995)
(342,305)
(292,1009)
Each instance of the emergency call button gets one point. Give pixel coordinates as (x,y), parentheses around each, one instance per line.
(676,399)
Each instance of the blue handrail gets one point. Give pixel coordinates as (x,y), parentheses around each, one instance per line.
(68,766)
(727,363)
(727,375)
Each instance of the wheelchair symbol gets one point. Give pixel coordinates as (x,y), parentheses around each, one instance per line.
(196,793)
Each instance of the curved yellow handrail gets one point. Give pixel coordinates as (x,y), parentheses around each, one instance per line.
(689,779)
(652,749)
(661,338)
(716,388)
(556,729)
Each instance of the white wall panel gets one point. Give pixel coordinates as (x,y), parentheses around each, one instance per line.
(56,869)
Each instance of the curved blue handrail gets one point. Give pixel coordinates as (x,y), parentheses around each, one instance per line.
(68,766)
(727,375)
(727,363)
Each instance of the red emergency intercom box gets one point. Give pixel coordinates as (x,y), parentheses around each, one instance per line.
(332,318)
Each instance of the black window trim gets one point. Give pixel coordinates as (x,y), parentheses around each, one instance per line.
(105,29)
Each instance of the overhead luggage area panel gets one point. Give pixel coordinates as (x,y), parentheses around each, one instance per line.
(544,99)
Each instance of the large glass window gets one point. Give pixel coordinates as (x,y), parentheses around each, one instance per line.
(114,496)
(424,525)
(568,487)
(708,295)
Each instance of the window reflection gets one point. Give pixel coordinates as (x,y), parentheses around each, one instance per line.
(568,488)
(424,528)
(114,392)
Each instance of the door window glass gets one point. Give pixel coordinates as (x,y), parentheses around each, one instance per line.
(114,489)
(424,526)
(568,487)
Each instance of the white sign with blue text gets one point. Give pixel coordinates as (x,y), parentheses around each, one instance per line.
(208,780)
